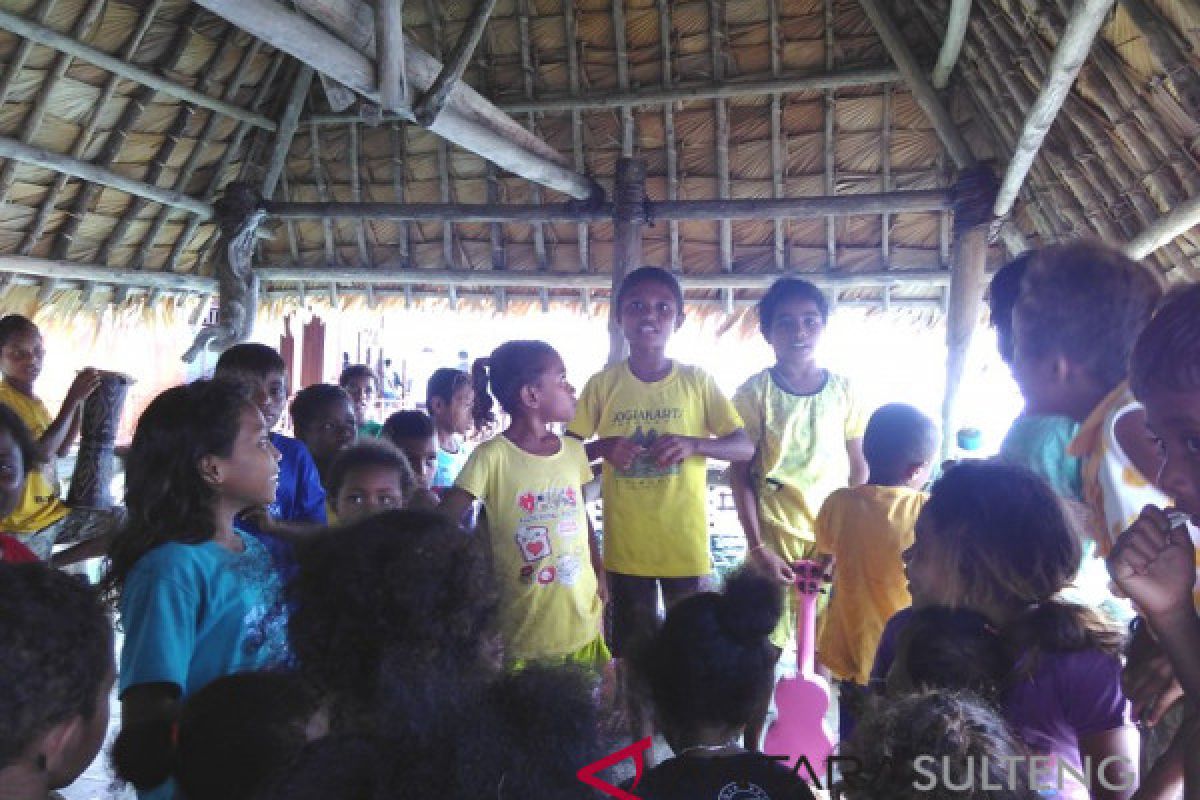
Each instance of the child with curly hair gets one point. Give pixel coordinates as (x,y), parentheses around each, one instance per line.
(369,478)
(56,673)
(18,453)
(362,384)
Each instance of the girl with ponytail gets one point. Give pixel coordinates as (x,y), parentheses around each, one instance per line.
(530,481)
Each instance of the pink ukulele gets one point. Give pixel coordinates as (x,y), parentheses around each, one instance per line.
(803,701)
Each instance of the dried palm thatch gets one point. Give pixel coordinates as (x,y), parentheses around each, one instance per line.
(170,102)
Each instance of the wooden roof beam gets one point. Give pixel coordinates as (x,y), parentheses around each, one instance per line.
(74,271)
(1073,46)
(469,120)
(576,281)
(289,123)
(389,49)
(956,32)
(434,100)
(792,207)
(65,44)
(11,148)
(1176,222)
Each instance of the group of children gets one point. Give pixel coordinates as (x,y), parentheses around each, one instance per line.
(457,645)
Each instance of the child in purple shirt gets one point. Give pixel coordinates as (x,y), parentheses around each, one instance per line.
(993,539)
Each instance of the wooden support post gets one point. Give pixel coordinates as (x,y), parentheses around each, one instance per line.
(433,101)
(669,145)
(974,196)
(885,156)
(629,197)
(389,46)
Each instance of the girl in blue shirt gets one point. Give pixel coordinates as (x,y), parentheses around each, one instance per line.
(197,599)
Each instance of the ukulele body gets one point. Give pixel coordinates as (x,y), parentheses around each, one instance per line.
(803,701)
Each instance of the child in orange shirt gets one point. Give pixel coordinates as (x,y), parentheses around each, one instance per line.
(863,530)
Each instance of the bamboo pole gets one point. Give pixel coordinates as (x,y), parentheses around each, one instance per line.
(628,215)
(11,148)
(671,152)
(433,101)
(778,162)
(956,31)
(73,271)
(1072,51)
(53,39)
(790,207)
(85,136)
(571,34)
(389,43)
(289,123)
(1176,222)
(468,120)
(577,281)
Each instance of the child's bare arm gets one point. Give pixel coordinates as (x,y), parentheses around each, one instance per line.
(671,449)
(1165,778)
(858,462)
(745,500)
(58,437)
(1116,753)
(1148,679)
(292,531)
(597,561)
(620,451)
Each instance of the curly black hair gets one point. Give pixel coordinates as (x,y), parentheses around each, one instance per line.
(56,649)
(353,371)
(782,291)
(711,662)
(233,736)
(13,324)
(166,499)
(1167,353)
(1088,302)
(953,648)
(407,425)
(307,404)
(510,368)
(900,743)
(1002,296)
(256,359)
(366,454)
(410,582)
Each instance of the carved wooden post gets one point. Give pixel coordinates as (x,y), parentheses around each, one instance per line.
(629,212)
(92,508)
(974,195)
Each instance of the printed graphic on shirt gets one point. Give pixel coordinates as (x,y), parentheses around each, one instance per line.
(545,513)
(742,791)
(644,466)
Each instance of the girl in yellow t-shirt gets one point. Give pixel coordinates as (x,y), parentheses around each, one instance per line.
(530,481)
(39,514)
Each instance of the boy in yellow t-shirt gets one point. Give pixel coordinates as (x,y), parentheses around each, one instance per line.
(657,422)
(39,514)
(862,530)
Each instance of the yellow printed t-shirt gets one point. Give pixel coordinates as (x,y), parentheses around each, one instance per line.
(539,534)
(800,455)
(39,506)
(865,529)
(655,519)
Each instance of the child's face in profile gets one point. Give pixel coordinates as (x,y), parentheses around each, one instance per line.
(421,452)
(367,491)
(454,416)
(21,357)
(796,331)
(333,430)
(925,567)
(12,473)
(556,395)
(362,395)
(1174,420)
(250,473)
(649,314)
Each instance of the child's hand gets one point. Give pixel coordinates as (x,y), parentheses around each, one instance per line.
(620,451)
(669,450)
(772,565)
(1148,680)
(86,382)
(1154,563)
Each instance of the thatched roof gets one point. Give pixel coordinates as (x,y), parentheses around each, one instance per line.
(209,102)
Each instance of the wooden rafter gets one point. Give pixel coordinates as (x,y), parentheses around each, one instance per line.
(468,120)
(130,115)
(389,47)
(432,102)
(499,256)
(360,227)
(314,146)
(778,160)
(399,153)
(829,143)
(1171,52)
(290,225)
(51,38)
(85,136)
(433,9)
(17,63)
(159,164)
(716,36)
(232,149)
(885,167)
(32,123)
(527,69)
(184,176)
(289,123)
